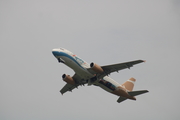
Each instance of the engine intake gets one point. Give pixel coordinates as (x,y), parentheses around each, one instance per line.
(68,79)
(96,68)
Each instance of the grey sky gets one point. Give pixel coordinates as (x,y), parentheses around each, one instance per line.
(100,31)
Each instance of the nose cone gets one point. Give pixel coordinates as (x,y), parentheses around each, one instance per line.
(55,52)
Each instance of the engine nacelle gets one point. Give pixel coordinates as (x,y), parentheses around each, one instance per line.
(68,79)
(96,68)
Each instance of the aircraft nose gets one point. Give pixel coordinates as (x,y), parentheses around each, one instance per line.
(55,52)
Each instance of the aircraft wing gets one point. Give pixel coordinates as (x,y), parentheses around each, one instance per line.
(69,87)
(115,67)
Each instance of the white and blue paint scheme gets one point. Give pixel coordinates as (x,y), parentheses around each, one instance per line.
(93,74)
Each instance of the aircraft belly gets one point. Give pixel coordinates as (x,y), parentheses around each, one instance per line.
(105,88)
(107,84)
(117,91)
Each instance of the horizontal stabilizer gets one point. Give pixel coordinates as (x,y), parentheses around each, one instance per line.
(135,93)
(121,99)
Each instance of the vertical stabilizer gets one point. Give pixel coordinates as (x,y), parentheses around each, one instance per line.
(129,84)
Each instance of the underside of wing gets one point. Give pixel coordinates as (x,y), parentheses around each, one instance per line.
(67,87)
(102,71)
(70,87)
(116,67)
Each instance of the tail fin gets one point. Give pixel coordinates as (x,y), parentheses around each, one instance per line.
(129,84)
(135,93)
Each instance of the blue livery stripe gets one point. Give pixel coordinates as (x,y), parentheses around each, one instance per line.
(68,56)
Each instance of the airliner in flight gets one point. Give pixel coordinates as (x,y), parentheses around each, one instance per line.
(93,74)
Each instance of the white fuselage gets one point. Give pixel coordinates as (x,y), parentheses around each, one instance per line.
(94,74)
(80,68)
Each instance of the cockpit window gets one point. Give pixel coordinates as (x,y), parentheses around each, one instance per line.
(61,49)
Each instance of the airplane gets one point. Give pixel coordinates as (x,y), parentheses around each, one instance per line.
(93,74)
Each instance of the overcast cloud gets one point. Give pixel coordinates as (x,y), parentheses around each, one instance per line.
(100,31)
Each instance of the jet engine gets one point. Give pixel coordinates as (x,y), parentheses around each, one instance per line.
(96,68)
(68,79)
